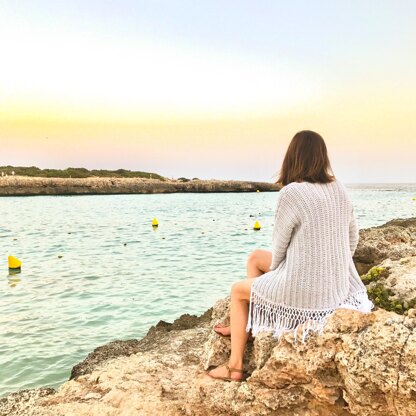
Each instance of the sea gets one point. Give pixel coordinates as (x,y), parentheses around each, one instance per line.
(94,269)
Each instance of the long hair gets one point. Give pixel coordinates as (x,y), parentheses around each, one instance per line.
(306,160)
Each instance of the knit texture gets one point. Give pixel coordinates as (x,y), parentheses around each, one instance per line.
(312,272)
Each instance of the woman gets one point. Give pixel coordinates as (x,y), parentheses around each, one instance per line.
(309,272)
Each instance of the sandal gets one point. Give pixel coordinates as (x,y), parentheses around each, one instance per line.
(249,339)
(230,370)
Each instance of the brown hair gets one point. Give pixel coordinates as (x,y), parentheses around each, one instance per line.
(306,160)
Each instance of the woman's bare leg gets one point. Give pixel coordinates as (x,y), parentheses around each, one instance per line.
(259,262)
(240,297)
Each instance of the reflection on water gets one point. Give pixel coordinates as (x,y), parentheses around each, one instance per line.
(95,270)
(13,281)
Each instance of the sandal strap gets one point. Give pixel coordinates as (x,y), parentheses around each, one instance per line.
(230,369)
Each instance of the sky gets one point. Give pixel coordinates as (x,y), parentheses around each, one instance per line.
(208,89)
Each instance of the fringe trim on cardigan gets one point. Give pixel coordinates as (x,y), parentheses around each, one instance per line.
(267,316)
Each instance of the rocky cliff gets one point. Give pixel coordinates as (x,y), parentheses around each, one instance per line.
(363,364)
(23,185)
(393,240)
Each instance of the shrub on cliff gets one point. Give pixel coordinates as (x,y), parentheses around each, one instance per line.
(34,171)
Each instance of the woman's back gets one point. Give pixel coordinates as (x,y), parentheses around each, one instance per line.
(318,256)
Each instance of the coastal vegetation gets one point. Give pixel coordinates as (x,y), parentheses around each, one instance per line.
(382,296)
(77,173)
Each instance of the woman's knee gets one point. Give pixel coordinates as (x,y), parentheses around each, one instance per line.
(260,259)
(241,289)
(254,257)
(236,289)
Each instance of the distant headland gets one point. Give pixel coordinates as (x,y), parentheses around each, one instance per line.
(77,173)
(27,181)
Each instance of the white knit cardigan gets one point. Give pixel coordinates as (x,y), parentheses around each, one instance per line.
(312,272)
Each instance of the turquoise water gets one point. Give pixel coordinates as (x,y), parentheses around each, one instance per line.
(118,276)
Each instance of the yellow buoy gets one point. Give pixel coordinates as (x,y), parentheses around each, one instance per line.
(258,190)
(14,263)
(257,226)
(413,199)
(155,223)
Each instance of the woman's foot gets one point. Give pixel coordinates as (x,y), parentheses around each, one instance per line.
(221,372)
(222,330)
(226,332)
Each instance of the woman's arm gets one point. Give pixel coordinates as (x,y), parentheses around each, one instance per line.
(353,231)
(284,223)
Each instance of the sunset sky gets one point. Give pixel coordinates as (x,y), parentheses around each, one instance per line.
(208,89)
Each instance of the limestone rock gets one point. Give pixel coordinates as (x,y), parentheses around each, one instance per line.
(154,336)
(24,185)
(402,277)
(394,288)
(363,364)
(393,240)
(22,402)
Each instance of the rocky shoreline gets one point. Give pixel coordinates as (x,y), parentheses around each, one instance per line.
(364,364)
(28,186)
